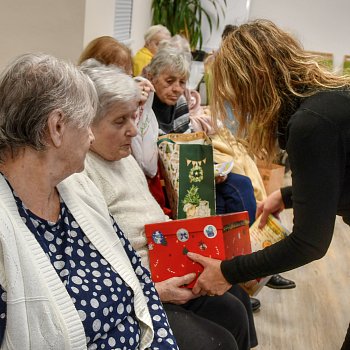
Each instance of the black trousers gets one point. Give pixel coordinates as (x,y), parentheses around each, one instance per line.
(210,323)
(346,344)
(239,293)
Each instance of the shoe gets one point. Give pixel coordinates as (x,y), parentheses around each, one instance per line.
(255,303)
(279,282)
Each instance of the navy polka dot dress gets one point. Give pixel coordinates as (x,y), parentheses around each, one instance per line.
(104,302)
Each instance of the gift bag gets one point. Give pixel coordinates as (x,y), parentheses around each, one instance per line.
(272,175)
(188,170)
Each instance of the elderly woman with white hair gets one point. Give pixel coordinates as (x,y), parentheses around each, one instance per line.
(69,279)
(153,37)
(206,322)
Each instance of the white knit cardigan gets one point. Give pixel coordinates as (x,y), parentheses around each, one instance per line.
(125,189)
(40,312)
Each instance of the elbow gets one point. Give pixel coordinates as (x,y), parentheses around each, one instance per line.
(308,250)
(315,253)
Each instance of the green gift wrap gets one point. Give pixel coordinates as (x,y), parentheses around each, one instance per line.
(188,170)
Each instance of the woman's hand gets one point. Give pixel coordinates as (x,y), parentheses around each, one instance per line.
(273,204)
(211,281)
(170,290)
(146,87)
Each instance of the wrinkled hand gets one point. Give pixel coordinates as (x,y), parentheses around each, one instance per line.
(211,281)
(145,87)
(170,290)
(273,204)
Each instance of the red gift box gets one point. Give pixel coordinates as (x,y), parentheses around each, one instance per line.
(219,237)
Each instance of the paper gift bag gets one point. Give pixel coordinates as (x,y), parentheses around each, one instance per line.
(272,175)
(188,170)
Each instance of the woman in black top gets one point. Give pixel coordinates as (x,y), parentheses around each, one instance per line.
(280,93)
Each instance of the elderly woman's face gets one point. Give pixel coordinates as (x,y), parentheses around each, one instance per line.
(113,133)
(77,141)
(169,86)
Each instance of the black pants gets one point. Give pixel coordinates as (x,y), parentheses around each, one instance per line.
(346,344)
(239,293)
(210,323)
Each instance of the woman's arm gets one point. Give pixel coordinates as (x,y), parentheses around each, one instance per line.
(317,159)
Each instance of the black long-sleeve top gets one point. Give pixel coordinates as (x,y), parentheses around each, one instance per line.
(317,139)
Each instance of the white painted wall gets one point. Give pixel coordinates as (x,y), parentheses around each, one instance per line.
(321,25)
(64,27)
(52,26)
(236,12)
(99,19)
(141,22)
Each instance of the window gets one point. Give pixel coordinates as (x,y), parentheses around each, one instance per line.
(122,20)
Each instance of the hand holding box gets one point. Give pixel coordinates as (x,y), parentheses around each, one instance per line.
(219,237)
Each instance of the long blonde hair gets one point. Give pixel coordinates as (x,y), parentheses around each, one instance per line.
(260,70)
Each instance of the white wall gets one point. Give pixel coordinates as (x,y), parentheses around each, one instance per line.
(236,12)
(321,25)
(141,21)
(99,19)
(64,27)
(51,26)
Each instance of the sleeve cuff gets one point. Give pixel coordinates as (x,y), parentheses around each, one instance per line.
(227,270)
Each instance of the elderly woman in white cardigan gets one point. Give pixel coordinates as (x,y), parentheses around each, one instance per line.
(67,273)
(110,165)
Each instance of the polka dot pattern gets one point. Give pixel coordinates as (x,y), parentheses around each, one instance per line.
(103,301)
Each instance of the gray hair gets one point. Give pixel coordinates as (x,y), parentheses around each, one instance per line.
(169,58)
(112,86)
(34,85)
(154,30)
(178,42)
